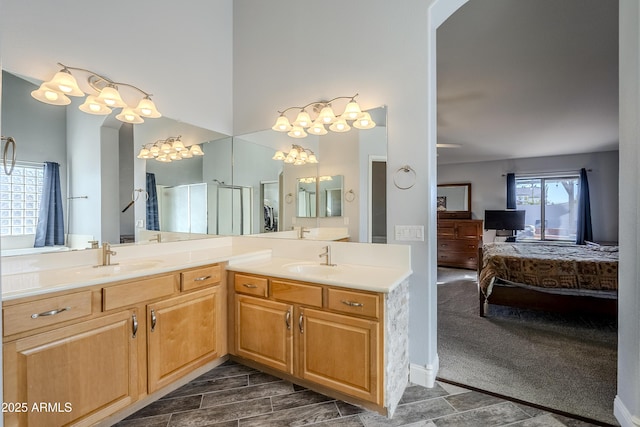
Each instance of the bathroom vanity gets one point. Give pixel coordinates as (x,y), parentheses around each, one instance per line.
(93,344)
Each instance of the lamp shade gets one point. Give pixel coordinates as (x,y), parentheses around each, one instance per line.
(327,116)
(279,155)
(340,125)
(196,150)
(297,132)
(111,97)
(317,128)
(129,116)
(64,82)
(146,108)
(352,111)
(282,124)
(92,106)
(303,120)
(48,96)
(178,145)
(364,122)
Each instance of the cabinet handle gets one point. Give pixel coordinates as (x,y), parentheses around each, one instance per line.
(249,286)
(301,323)
(153,319)
(352,303)
(134,323)
(50,313)
(287,319)
(201,279)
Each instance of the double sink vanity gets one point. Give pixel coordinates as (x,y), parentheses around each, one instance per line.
(92,344)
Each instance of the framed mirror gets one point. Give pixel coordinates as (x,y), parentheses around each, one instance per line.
(306,197)
(454,200)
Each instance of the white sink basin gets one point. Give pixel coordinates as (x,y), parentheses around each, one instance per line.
(313,269)
(109,270)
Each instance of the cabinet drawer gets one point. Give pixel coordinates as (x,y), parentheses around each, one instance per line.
(296,293)
(458,246)
(44,312)
(251,285)
(354,302)
(138,291)
(199,278)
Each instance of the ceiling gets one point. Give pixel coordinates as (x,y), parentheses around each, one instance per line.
(527,78)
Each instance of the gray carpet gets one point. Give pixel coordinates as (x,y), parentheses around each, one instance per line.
(563,362)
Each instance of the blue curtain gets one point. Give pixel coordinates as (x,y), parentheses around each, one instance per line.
(511,191)
(50,228)
(153,219)
(584,232)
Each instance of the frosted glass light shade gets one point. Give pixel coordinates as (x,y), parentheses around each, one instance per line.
(178,145)
(327,116)
(352,111)
(64,82)
(279,155)
(317,128)
(92,106)
(282,124)
(146,108)
(297,132)
(312,158)
(364,122)
(129,116)
(111,97)
(340,125)
(196,150)
(303,120)
(48,96)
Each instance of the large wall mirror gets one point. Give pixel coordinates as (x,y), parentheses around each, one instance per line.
(454,200)
(235,188)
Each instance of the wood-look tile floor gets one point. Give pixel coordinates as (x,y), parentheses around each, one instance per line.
(233,395)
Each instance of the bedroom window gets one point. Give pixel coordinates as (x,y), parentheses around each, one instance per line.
(20,199)
(550,205)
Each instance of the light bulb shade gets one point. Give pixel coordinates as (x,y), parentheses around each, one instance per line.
(312,158)
(279,155)
(364,122)
(352,111)
(297,132)
(327,116)
(92,106)
(293,153)
(163,158)
(303,120)
(340,125)
(111,98)
(146,108)
(178,145)
(154,150)
(282,124)
(196,150)
(48,96)
(127,115)
(145,154)
(186,154)
(64,82)
(289,159)
(166,148)
(317,128)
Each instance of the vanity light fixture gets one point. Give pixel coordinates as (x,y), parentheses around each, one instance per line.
(57,91)
(297,156)
(169,150)
(304,125)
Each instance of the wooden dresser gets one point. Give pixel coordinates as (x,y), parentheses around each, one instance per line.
(458,242)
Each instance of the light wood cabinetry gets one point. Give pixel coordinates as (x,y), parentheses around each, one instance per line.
(317,333)
(88,354)
(458,242)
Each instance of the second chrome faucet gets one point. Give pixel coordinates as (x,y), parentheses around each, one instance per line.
(327,255)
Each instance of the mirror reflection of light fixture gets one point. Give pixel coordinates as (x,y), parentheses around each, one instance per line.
(168,150)
(324,116)
(297,156)
(64,84)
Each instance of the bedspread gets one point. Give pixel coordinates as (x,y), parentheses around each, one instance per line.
(571,269)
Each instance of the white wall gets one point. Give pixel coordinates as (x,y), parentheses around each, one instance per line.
(488,185)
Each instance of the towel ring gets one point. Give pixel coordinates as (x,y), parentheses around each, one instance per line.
(350,196)
(135,197)
(402,180)
(12,142)
(288,198)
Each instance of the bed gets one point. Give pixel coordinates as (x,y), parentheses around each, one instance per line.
(551,277)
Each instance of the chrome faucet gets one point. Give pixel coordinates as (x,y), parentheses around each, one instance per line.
(156,238)
(327,255)
(106,255)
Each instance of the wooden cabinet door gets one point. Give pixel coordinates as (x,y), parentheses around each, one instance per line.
(263,332)
(77,374)
(182,335)
(341,352)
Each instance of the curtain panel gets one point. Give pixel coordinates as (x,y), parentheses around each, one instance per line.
(584,233)
(153,218)
(50,227)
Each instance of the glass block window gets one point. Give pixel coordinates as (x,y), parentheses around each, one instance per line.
(20,199)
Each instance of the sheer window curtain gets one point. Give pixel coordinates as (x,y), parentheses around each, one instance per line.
(153,219)
(50,227)
(584,232)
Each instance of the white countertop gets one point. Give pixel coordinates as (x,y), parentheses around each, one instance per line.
(368,278)
(288,260)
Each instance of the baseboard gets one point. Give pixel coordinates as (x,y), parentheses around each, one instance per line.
(623,415)
(424,375)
